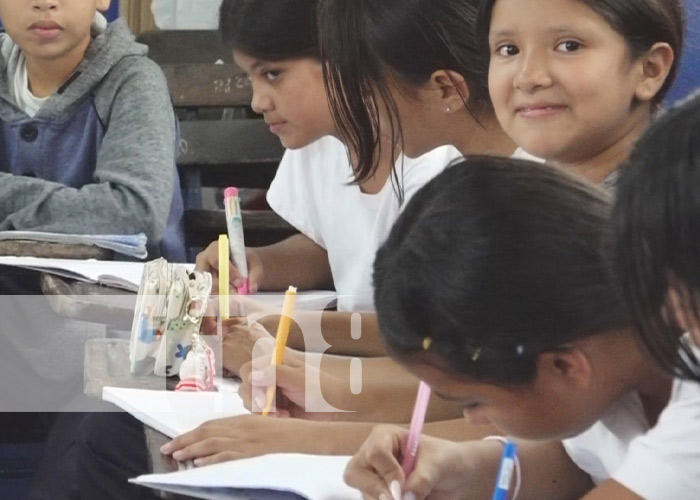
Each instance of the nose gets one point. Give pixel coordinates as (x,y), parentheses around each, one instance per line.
(533,73)
(261,101)
(476,416)
(41,5)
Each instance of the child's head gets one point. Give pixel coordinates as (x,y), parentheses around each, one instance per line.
(574,79)
(657,218)
(275,43)
(395,68)
(494,266)
(55,31)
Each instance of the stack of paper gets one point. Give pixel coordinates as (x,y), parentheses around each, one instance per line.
(131,245)
(275,476)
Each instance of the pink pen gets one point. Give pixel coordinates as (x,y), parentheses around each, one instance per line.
(409,458)
(234,226)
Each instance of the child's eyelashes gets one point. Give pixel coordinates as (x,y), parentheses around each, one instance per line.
(506,50)
(271,75)
(568,46)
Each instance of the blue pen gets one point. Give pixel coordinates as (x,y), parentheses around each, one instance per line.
(505,471)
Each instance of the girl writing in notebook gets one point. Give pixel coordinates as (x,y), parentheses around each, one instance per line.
(529,336)
(343,208)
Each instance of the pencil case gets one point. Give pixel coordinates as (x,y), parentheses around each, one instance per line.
(169,309)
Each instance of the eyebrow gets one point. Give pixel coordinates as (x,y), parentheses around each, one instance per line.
(257,65)
(509,33)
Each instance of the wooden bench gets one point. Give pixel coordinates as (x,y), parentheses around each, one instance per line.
(222,142)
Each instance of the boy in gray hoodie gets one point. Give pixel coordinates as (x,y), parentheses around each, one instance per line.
(87,145)
(87,131)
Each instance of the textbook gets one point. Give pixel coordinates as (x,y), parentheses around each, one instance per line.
(175,412)
(131,245)
(268,477)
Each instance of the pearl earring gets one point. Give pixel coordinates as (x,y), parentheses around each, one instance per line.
(449,109)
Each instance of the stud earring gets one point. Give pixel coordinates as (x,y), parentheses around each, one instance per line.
(449,109)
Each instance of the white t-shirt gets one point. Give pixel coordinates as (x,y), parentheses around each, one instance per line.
(18,83)
(312,192)
(662,463)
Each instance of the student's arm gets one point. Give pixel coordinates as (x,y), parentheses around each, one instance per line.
(134,175)
(376,390)
(336,332)
(611,490)
(251,435)
(296,261)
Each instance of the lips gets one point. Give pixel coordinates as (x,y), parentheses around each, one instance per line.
(275,126)
(46,30)
(539,109)
(45,25)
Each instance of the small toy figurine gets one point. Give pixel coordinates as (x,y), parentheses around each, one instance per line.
(197,370)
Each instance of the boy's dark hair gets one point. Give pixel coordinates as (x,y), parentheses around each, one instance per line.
(642,23)
(365,42)
(272,30)
(657,218)
(496,260)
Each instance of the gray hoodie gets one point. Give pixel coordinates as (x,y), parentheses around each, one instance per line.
(99,156)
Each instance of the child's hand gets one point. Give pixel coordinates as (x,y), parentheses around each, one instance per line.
(440,470)
(292,400)
(239,437)
(239,341)
(208,260)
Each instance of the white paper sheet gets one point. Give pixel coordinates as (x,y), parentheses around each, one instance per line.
(308,476)
(175,412)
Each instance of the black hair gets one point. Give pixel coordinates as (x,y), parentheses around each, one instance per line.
(366,42)
(272,30)
(496,260)
(657,219)
(642,23)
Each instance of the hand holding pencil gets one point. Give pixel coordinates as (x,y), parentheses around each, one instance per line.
(208,260)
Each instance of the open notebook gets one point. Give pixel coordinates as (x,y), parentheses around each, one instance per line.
(274,476)
(127,276)
(175,412)
(114,273)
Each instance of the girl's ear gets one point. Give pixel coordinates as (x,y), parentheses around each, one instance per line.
(681,307)
(452,87)
(569,369)
(655,65)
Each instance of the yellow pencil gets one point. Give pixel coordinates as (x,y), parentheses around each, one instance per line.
(223,276)
(290,298)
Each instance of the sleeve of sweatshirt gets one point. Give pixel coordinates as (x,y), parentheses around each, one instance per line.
(134,176)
